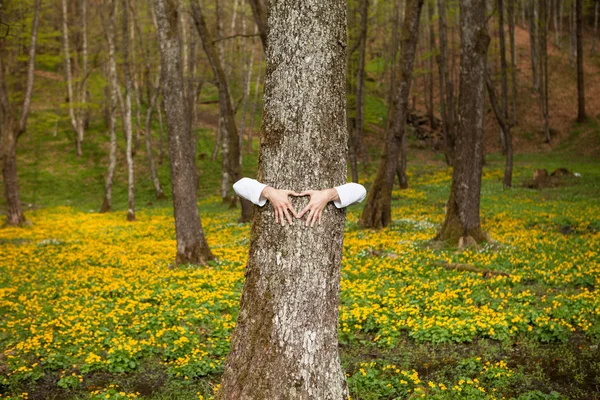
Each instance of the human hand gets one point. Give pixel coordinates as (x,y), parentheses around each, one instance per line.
(317,203)
(281,203)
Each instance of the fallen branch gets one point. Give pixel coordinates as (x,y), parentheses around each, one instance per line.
(467,267)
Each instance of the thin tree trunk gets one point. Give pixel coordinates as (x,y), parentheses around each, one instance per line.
(377,211)
(462,215)
(191,244)
(11,129)
(360,83)
(161,145)
(157,187)
(503,72)
(285,343)
(505,126)
(430,12)
(581,117)
(259,10)
(573,33)
(69,78)
(595,37)
(246,97)
(109,29)
(222,137)
(253,115)
(513,58)
(233,162)
(533,43)
(543,64)
(446,87)
(556,30)
(127,123)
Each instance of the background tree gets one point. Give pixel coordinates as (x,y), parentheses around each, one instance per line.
(580,88)
(13,120)
(191,244)
(285,343)
(462,223)
(378,208)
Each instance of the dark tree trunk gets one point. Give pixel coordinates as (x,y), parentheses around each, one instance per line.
(377,211)
(505,125)
(462,214)
(580,88)
(446,88)
(259,10)
(543,64)
(285,343)
(503,71)
(234,165)
(13,126)
(360,82)
(191,244)
(513,58)
(533,47)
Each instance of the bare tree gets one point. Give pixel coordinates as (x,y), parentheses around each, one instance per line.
(377,211)
(285,342)
(234,166)
(13,123)
(126,113)
(77,119)
(191,243)
(513,58)
(462,222)
(113,94)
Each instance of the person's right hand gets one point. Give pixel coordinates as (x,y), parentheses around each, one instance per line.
(281,203)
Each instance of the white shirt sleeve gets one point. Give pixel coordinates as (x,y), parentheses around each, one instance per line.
(350,193)
(250,189)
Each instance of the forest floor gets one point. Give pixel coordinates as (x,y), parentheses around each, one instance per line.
(89,308)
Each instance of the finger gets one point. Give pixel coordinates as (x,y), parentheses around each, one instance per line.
(287,214)
(321,213)
(305,193)
(281,217)
(314,218)
(294,193)
(304,210)
(310,211)
(276,215)
(291,208)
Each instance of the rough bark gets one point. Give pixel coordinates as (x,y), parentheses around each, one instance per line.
(285,343)
(581,117)
(234,165)
(13,126)
(377,211)
(462,214)
(191,243)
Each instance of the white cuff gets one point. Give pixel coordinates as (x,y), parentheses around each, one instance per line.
(349,193)
(250,189)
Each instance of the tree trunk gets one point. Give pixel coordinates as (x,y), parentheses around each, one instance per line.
(285,343)
(157,187)
(259,10)
(556,29)
(253,114)
(573,32)
(543,64)
(503,71)
(191,244)
(446,88)
(377,211)
(11,128)
(505,126)
(513,58)
(360,82)
(581,117)
(126,107)
(430,114)
(462,215)
(233,162)
(595,37)
(109,29)
(69,78)
(533,43)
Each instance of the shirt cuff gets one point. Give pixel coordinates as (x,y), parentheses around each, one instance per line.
(349,193)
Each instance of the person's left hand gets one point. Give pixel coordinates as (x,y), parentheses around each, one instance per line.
(317,203)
